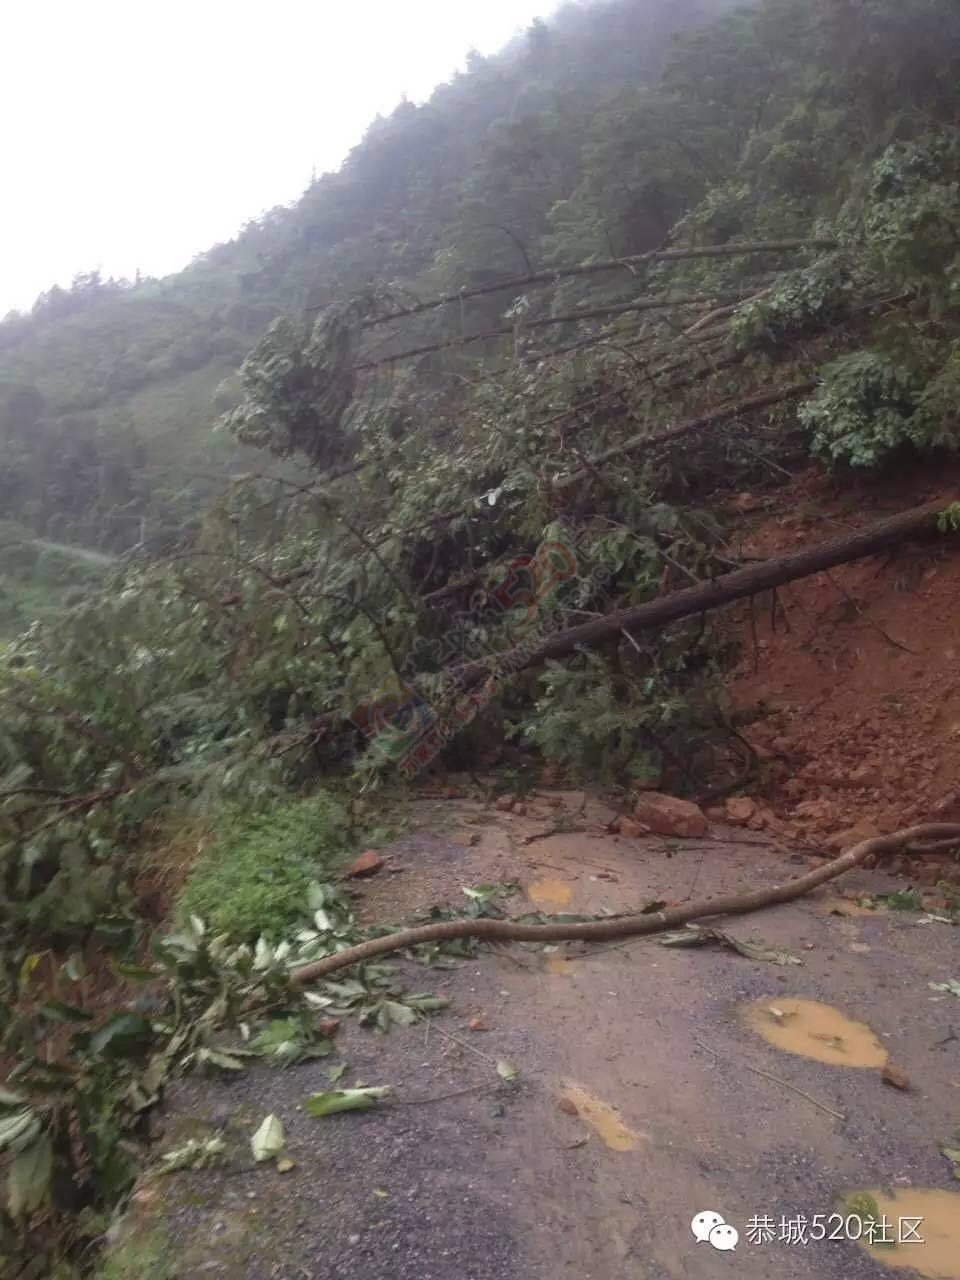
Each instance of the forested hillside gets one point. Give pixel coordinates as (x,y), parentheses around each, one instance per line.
(108,390)
(526,347)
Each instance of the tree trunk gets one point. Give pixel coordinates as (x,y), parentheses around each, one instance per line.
(722,414)
(595,268)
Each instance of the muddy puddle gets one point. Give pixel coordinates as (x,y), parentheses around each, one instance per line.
(603,1119)
(814,1030)
(549,894)
(845,907)
(938,1258)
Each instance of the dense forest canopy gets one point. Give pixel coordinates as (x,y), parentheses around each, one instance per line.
(108,389)
(644,258)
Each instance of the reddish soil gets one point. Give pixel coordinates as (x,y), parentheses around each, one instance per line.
(850,688)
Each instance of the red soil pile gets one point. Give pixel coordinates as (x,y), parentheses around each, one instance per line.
(848,685)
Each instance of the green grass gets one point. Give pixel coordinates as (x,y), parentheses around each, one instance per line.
(254,878)
(143,1257)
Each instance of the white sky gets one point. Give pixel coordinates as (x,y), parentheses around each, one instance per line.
(136,135)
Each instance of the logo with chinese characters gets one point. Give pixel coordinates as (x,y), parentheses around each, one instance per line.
(709,1227)
(394,717)
(797,1228)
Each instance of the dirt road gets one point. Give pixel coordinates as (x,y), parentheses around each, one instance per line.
(644,1093)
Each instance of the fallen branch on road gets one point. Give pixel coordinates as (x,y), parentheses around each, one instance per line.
(931,834)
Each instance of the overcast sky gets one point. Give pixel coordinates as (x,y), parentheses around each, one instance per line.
(137,135)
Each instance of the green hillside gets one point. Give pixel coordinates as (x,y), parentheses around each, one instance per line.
(109,390)
(488,402)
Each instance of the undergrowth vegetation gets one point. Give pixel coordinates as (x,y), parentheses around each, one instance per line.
(253,878)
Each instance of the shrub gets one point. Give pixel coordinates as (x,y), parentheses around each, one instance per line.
(862,410)
(255,878)
(803,302)
(869,405)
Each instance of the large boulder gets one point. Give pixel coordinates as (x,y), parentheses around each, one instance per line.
(670,816)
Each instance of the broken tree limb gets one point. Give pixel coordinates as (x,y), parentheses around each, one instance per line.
(596,268)
(738,585)
(722,414)
(509,330)
(634,926)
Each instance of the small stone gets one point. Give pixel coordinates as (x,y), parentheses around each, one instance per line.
(327,1026)
(505,803)
(740,810)
(895,1076)
(468,839)
(477,1023)
(367,864)
(568,1106)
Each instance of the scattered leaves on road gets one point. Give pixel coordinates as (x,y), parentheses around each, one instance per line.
(331,1101)
(267,1142)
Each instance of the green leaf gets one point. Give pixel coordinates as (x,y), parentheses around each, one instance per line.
(335,1073)
(427,1004)
(18,1131)
(696,935)
(59,1011)
(401,1014)
(28,1179)
(73,968)
(217,1058)
(951,987)
(30,963)
(137,972)
(330,1101)
(197,1153)
(267,1142)
(126,1035)
(506,1070)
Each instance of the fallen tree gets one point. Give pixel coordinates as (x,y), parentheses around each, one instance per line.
(721,414)
(634,926)
(506,331)
(597,268)
(917,522)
